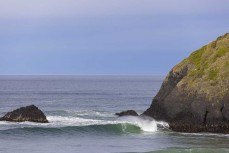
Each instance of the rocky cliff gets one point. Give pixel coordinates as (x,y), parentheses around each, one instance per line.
(194,96)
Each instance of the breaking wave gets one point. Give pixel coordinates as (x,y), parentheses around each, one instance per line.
(80,124)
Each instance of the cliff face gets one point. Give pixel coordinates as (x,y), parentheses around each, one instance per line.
(194,96)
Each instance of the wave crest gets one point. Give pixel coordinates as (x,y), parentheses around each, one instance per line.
(71,124)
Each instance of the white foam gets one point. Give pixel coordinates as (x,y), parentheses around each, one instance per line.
(205,134)
(146,124)
(71,121)
(91,113)
(60,121)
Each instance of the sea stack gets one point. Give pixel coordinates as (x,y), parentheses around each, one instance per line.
(194,96)
(29,113)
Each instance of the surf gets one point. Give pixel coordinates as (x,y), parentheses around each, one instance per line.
(83,122)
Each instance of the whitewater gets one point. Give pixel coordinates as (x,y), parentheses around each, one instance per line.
(81,109)
(86,120)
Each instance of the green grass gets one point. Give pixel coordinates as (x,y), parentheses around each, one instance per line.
(227,64)
(212,74)
(208,69)
(213,44)
(196,56)
(221,52)
(201,65)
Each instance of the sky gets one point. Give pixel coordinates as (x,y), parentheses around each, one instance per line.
(105,37)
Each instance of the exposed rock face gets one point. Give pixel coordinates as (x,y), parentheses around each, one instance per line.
(194,96)
(29,113)
(127,113)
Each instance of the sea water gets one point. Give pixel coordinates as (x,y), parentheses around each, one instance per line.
(81,111)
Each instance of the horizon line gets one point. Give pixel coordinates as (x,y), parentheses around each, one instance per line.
(83,74)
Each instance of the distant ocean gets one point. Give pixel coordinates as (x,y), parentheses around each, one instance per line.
(81,113)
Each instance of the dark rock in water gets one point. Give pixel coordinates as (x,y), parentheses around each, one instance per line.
(194,96)
(127,113)
(29,113)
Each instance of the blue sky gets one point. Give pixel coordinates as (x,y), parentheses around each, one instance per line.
(107,37)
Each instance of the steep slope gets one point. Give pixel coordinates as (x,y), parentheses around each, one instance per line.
(194,96)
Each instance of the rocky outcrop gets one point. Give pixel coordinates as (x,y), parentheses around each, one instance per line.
(127,113)
(194,96)
(29,113)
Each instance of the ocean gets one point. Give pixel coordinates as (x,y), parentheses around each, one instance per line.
(81,113)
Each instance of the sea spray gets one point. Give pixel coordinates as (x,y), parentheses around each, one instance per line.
(127,124)
(146,124)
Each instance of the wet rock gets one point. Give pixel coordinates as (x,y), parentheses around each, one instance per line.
(127,113)
(29,113)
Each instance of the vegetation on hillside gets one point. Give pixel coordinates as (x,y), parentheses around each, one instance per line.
(208,69)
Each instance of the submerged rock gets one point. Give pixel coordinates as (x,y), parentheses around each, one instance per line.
(127,113)
(29,113)
(194,96)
